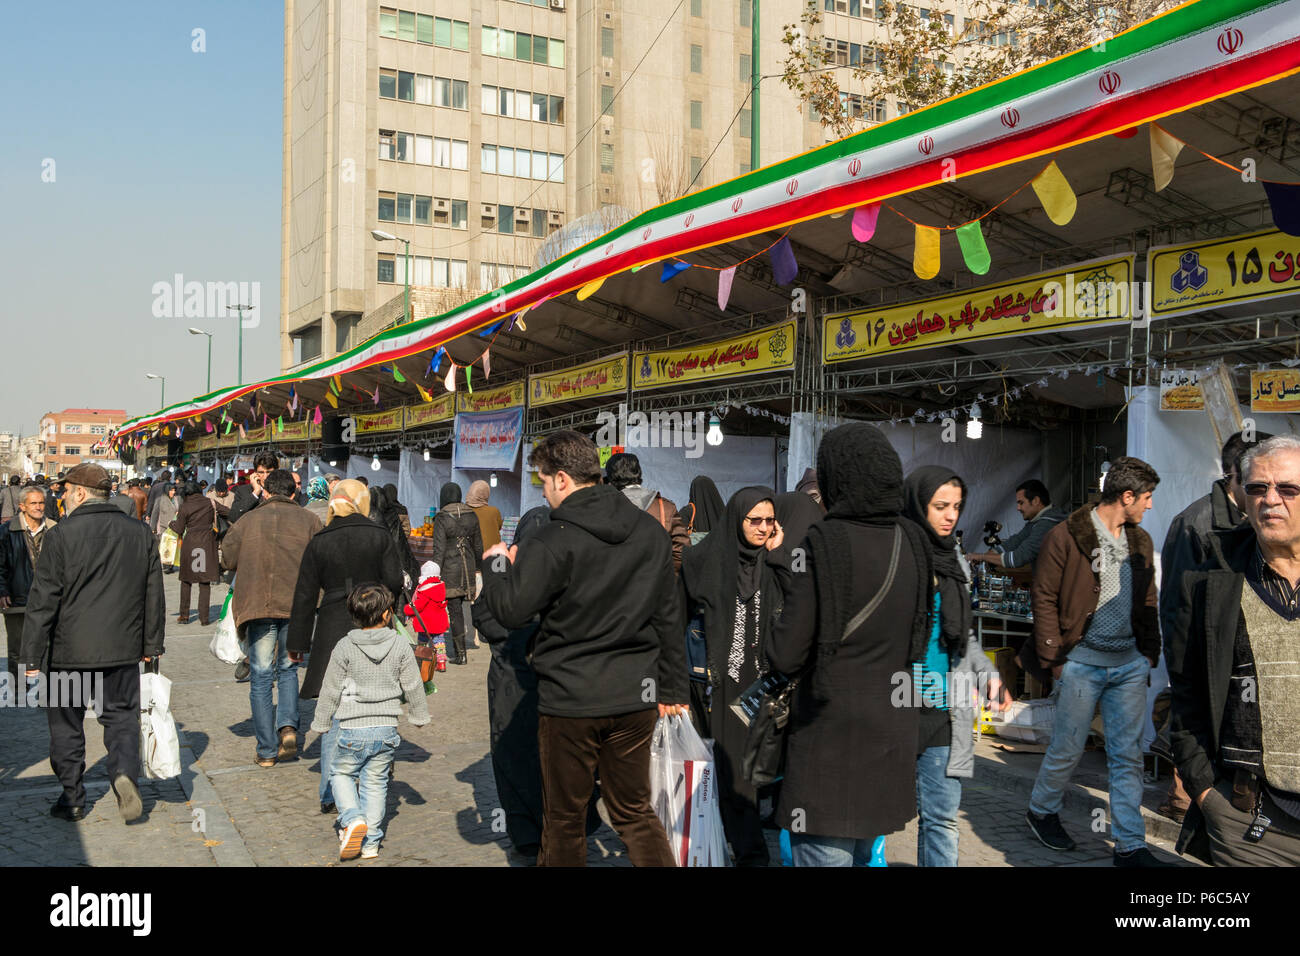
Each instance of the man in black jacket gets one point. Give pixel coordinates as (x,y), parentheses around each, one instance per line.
(249,496)
(156,491)
(608,650)
(1236,690)
(95,610)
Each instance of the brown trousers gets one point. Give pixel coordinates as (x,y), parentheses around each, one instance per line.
(572,749)
(1227,829)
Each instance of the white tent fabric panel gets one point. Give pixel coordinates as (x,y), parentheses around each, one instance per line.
(736,463)
(418,483)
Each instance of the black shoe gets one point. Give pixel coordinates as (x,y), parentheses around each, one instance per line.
(1139,857)
(128,798)
(65,812)
(328,808)
(242,672)
(1049,831)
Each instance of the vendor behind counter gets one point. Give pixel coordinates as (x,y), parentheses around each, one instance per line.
(1020,550)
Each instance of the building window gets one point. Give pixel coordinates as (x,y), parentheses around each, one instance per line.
(72,429)
(459,214)
(405,25)
(459,94)
(606,42)
(696,165)
(697,58)
(539,165)
(539,108)
(404,204)
(557,110)
(423,208)
(405,147)
(72,449)
(747,123)
(98,430)
(460,35)
(459,154)
(606,100)
(442,32)
(697,8)
(487,159)
(697,114)
(424,89)
(458,274)
(746,68)
(388,84)
(606,158)
(556,171)
(539,223)
(388,23)
(746,12)
(505,161)
(488,100)
(442,152)
(424,28)
(387,207)
(505,219)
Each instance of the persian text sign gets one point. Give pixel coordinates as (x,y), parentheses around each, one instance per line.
(488,440)
(602,377)
(1084,295)
(389,421)
(769,349)
(1180,390)
(293,431)
(1275,390)
(255,436)
(441,409)
(491,399)
(228,441)
(1220,272)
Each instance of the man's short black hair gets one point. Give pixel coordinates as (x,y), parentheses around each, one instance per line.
(15,479)
(265,459)
(364,480)
(1128,474)
(1234,448)
(367,604)
(622,470)
(280,482)
(569,452)
(165,476)
(1033,488)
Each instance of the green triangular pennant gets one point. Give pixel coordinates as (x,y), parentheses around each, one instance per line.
(973,249)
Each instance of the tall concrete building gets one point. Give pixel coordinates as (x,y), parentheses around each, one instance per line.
(477,128)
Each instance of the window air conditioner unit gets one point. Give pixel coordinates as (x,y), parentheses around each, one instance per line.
(523,215)
(489,210)
(554,216)
(557,4)
(442,205)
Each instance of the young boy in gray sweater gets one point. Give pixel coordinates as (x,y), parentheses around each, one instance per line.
(369,671)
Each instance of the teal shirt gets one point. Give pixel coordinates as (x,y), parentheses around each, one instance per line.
(930,674)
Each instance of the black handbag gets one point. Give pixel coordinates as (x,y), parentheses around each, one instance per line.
(765,706)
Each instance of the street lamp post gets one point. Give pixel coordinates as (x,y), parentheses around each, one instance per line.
(162,395)
(241,309)
(406,269)
(194,331)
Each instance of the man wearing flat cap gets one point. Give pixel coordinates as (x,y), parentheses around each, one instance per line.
(95,608)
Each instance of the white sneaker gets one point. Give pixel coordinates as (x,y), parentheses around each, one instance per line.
(350,840)
(369,852)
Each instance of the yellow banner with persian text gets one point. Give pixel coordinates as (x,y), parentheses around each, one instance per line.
(606,376)
(1204,275)
(491,399)
(441,409)
(1275,390)
(388,421)
(1093,293)
(769,349)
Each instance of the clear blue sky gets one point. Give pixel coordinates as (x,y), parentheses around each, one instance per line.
(166,161)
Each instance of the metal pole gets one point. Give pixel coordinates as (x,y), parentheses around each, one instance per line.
(209,362)
(406,278)
(241,347)
(754,161)
(162,395)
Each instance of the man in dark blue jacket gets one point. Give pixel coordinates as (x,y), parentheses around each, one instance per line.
(20,547)
(94,612)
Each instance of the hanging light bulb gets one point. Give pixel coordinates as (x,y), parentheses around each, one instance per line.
(1105,469)
(974,427)
(426,454)
(316,468)
(714,434)
(334,464)
(492,480)
(374,463)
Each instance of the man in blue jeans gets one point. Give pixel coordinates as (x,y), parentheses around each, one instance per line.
(1096,629)
(265,547)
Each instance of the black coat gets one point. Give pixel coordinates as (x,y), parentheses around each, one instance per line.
(457,547)
(15,562)
(97,598)
(244,502)
(1187,545)
(601,576)
(851,754)
(348,552)
(1198,652)
(199,559)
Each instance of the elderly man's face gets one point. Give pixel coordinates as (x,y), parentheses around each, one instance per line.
(33,506)
(1272,504)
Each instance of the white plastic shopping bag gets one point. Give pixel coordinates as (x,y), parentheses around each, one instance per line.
(160,750)
(684,792)
(225,645)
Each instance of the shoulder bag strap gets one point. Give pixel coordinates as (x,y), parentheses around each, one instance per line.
(690,528)
(859,618)
(660,502)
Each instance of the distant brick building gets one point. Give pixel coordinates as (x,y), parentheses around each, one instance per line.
(75,435)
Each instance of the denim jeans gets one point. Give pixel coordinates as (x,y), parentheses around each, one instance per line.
(328,745)
(1122,692)
(362,757)
(269,665)
(808,850)
(937,798)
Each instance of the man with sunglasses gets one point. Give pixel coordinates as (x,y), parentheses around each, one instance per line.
(1236,689)
(1187,546)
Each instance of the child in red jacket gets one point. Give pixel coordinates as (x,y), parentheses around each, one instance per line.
(428,615)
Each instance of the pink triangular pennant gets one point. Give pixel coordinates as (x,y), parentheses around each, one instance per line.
(487,363)
(725,278)
(864,222)
(316,419)
(376,394)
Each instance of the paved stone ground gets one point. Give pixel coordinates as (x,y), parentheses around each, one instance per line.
(225,810)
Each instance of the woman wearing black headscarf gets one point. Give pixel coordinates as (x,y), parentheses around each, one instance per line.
(389,514)
(850,753)
(704,510)
(953,665)
(457,550)
(796,513)
(726,579)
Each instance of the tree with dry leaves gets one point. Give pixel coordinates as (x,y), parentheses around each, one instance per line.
(923,55)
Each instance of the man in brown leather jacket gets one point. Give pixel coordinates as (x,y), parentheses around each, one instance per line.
(623,471)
